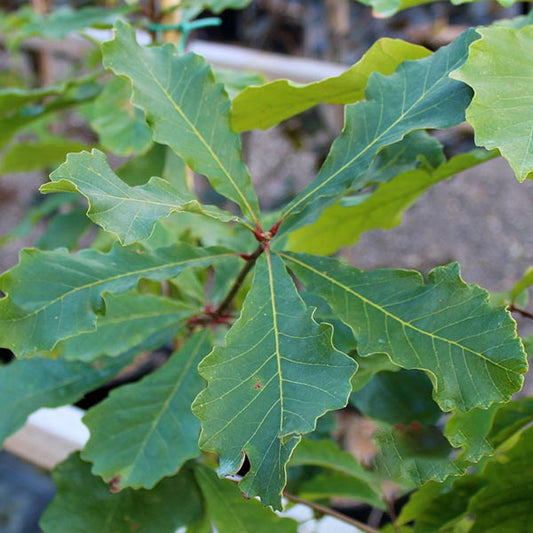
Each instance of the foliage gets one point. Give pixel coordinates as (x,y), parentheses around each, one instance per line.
(267,334)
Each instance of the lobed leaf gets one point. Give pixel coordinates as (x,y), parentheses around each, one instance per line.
(54,295)
(448,329)
(277,373)
(145,431)
(144,320)
(501,110)
(267,105)
(396,105)
(28,385)
(84,503)
(188,110)
(341,225)
(129,212)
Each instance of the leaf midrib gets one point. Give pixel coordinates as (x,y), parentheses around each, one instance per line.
(88,286)
(367,148)
(395,317)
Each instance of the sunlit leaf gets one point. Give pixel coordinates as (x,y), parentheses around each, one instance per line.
(265,106)
(501,110)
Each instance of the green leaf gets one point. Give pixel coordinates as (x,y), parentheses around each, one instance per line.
(144,321)
(394,106)
(129,212)
(417,149)
(469,430)
(64,20)
(399,397)
(54,295)
(229,512)
(20,108)
(340,226)
(353,480)
(121,127)
(439,506)
(448,329)
(189,111)
(161,161)
(415,454)
(504,504)
(327,454)
(501,110)
(277,373)
(339,485)
(45,208)
(481,431)
(145,431)
(28,385)
(236,81)
(85,504)
(522,284)
(64,230)
(25,157)
(265,106)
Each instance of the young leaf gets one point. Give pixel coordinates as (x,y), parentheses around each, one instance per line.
(28,385)
(130,212)
(267,105)
(145,431)
(341,225)
(277,373)
(189,111)
(84,503)
(501,110)
(395,105)
(55,295)
(121,127)
(144,320)
(448,329)
(229,512)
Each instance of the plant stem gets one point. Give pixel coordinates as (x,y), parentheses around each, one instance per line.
(522,312)
(331,512)
(250,262)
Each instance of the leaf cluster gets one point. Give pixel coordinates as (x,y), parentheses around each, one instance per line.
(267,333)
